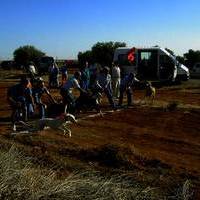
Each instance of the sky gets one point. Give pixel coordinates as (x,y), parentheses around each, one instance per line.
(62,28)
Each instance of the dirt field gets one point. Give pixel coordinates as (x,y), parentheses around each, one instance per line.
(143,136)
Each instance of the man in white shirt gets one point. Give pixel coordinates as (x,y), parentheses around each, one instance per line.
(31,70)
(104,80)
(115,80)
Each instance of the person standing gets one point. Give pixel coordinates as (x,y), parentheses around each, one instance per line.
(116,80)
(53,76)
(104,80)
(64,74)
(126,86)
(85,77)
(32,70)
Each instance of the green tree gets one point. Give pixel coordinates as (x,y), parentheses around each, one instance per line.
(101,52)
(192,57)
(85,56)
(23,55)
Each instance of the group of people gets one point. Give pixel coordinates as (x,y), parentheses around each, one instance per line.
(26,96)
(53,72)
(111,84)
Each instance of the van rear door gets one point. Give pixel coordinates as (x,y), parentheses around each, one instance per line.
(148,64)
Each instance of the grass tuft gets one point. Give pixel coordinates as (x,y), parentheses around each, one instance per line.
(20,179)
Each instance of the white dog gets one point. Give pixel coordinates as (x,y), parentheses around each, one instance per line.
(60,123)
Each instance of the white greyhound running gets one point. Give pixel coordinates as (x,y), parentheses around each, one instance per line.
(60,123)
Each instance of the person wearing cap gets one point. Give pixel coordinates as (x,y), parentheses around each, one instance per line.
(126,86)
(38,91)
(20,98)
(66,92)
(104,80)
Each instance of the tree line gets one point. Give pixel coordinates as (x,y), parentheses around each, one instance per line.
(101,52)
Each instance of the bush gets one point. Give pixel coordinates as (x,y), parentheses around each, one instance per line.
(23,55)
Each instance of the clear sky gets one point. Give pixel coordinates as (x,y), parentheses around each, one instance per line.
(62,28)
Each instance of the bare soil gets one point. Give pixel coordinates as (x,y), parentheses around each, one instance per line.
(142,133)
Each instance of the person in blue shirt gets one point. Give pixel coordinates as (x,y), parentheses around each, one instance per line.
(126,86)
(53,76)
(20,99)
(85,77)
(38,91)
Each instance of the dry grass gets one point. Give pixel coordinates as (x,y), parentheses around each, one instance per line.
(19,179)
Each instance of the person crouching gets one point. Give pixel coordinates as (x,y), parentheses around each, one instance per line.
(66,92)
(20,99)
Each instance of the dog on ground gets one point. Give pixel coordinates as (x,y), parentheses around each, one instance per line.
(150,93)
(60,123)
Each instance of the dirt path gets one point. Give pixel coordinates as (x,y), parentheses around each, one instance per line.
(172,137)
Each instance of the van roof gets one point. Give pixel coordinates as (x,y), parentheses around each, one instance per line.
(146,48)
(157,47)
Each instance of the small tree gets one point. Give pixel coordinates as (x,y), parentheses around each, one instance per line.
(103,51)
(23,55)
(85,56)
(192,57)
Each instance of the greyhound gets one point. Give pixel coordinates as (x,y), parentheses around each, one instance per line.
(61,123)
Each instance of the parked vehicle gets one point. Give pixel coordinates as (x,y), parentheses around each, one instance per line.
(153,63)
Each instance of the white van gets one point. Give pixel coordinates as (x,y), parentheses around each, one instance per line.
(153,63)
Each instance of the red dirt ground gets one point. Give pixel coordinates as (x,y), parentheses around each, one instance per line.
(173,137)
